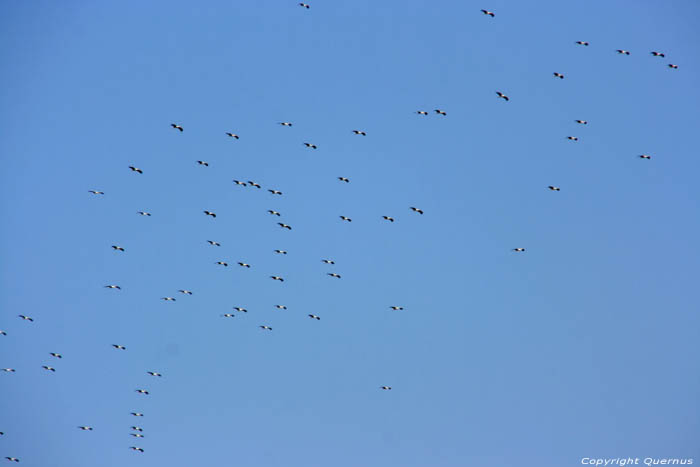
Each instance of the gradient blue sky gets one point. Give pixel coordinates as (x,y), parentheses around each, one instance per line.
(585,345)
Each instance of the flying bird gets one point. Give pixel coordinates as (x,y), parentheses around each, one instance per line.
(622,52)
(26,318)
(285,124)
(228,315)
(268,328)
(440,112)
(135,169)
(582,43)
(284,226)
(489,13)
(396,308)
(85,428)
(137,435)
(254,184)
(154,373)
(280,307)
(387,218)
(209,213)
(558,75)
(94,192)
(186,292)
(113,287)
(502,96)
(328,261)
(237,182)
(144,213)
(222,263)
(281,252)
(137,428)
(582,122)
(314,317)
(304,5)
(245,265)
(118,248)
(135,448)
(137,414)
(238,308)
(168,299)
(419,211)
(277,278)
(8,370)
(343,179)
(3,333)
(12,459)
(671,65)
(645,156)
(49,368)
(309,145)
(177,127)
(275,192)
(274,213)
(386,388)
(54,354)
(421,112)
(572,138)
(332,274)
(346,218)
(358,132)
(519,249)
(554,188)
(658,54)
(141,391)
(117,346)
(232,135)
(205,164)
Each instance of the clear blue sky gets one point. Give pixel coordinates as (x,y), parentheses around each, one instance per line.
(585,345)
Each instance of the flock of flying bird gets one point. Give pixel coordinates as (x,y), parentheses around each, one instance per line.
(136,430)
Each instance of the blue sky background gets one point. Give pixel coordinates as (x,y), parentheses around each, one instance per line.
(585,345)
